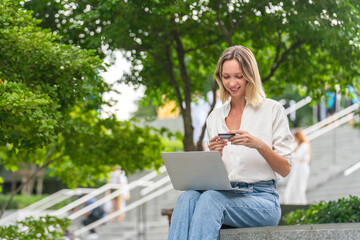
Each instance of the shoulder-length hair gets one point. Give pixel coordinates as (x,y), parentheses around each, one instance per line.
(299,134)
(254,91)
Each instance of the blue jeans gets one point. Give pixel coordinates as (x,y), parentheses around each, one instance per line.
(200,214)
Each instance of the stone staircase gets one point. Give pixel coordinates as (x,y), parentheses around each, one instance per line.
(145,222)
(333,153)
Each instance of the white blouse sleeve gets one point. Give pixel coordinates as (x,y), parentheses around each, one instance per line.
(282,138)
(208,133)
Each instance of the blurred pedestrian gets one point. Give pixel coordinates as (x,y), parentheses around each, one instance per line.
(118,176)
(295,192)
(92,216)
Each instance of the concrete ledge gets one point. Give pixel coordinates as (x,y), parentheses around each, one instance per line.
(334,231)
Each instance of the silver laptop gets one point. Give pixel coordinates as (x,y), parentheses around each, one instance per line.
(197,171)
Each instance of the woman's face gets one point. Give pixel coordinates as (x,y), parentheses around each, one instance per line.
(232,78)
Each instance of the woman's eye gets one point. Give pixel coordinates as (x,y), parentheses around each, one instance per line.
(238,77)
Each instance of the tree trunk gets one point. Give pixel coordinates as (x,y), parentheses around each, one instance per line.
(188,132)
(39,183)
(186,113)
(13,181)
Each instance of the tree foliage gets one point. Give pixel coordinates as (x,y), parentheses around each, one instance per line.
(41,80)
(51,94)
(44,228)
(174,46)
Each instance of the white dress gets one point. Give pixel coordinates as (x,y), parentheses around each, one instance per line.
(295,191)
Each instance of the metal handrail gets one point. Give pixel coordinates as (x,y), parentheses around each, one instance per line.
(38,207)
(95,192)
(298,105)
(48,199)
(330,126)
(95,204)
(156,185)
(124,210)
(352,169)
(331,118)
(144,181)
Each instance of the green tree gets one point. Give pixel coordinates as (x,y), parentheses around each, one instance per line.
(50,97)
(173,46)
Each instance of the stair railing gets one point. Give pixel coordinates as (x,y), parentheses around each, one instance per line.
(331,119)
(38,208)
(144,181)
(330,126)
(131,206)
(297,105)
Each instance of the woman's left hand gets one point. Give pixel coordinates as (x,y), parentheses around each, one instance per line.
(244,138)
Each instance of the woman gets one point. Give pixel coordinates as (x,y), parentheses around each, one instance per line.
(295,192)
(254,156)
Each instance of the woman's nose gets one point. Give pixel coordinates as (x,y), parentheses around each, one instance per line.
(232,81)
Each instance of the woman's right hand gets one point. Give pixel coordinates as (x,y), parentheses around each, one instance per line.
(217,144)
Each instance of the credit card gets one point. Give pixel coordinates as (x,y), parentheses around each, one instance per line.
(226,136)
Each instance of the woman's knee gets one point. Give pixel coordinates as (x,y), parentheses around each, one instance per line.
(212,195)
(189,196)
(211,199)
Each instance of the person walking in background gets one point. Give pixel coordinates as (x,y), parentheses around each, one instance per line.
(258,152)
(295,191)
(117,176)
(92,216)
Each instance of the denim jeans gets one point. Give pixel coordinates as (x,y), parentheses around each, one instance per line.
(200,214)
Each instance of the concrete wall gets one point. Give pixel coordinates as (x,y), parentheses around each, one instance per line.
(298,232)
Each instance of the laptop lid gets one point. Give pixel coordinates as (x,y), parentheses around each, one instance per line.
(196,170)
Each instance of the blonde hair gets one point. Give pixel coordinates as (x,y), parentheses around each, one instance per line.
(254,91)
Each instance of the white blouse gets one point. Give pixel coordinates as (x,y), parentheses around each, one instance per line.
(267,122)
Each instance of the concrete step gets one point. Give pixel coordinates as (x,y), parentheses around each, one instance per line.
(134,230)
(299,232)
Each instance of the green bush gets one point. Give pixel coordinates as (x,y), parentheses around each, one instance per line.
(44,228)
(344,210)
